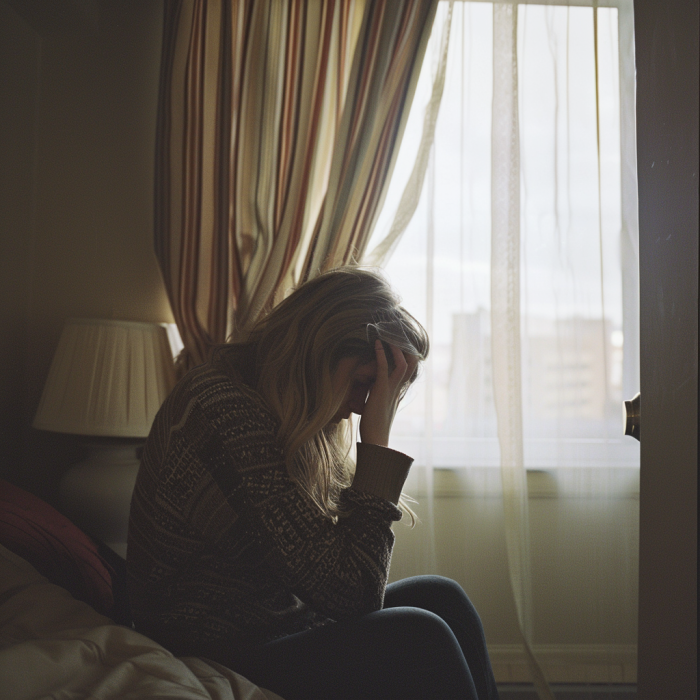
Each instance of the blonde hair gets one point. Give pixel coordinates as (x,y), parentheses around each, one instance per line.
(289,357)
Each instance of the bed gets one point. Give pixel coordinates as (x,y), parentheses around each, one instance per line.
(61,605)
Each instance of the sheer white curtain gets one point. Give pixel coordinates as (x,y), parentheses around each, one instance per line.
(510,231)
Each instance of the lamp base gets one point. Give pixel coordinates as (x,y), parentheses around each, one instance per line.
(96,493)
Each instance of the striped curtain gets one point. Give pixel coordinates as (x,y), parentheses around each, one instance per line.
(278,128)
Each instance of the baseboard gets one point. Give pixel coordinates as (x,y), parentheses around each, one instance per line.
(567,663)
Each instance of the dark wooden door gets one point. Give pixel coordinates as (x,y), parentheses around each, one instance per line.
(666,40)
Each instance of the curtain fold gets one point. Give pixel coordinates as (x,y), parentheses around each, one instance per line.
(411,193)
(506,350)
(384,78)
(278,125)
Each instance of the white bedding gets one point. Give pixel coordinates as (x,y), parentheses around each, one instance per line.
(53,646)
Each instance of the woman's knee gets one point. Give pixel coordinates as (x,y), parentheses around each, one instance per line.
(451,592)
(411,626)
(446,587)
(428,589)
(426,582)
(439,595)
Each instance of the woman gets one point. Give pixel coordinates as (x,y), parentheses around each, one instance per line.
(253,541)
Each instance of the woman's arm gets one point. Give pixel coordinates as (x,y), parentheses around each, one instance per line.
(339,569)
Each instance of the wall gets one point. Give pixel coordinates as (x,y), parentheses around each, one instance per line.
(19,69)
(78,135)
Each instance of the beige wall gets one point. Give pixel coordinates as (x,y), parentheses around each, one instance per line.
(19,51)
(78,129)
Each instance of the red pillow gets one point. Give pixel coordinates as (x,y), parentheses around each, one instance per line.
(55,547)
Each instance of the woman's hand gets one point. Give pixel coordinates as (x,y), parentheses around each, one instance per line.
(385,394)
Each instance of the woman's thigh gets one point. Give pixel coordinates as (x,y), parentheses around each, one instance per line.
(446,598)
(402,652)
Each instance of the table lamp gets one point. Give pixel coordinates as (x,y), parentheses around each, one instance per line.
(106,382)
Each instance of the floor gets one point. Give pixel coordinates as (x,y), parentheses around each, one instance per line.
(564,691)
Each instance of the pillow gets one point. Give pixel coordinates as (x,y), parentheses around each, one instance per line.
(59,550)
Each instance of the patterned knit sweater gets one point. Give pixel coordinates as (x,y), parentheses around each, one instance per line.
(224,551)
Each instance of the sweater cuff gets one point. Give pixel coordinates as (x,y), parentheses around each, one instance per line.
(381,471)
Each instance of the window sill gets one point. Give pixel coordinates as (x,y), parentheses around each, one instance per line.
(565,482)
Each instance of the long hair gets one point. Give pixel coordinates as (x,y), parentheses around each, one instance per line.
(289,356)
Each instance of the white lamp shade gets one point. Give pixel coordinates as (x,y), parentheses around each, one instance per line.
(107,378)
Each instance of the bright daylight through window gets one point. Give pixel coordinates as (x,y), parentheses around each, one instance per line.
(578,303)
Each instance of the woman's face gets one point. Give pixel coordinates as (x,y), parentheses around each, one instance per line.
(360,377)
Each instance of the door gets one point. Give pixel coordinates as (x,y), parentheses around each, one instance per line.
(666,39)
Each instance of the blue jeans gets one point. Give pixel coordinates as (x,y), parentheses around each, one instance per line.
(427,642)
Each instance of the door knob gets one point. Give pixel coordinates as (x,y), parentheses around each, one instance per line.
(632,415)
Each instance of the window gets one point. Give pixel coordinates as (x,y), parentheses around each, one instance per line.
(577,231)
